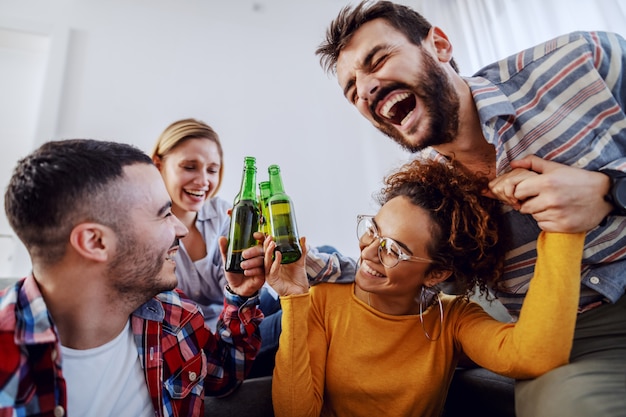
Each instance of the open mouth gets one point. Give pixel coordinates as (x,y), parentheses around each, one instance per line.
(196,193)
(172,251)
(398,108)
(370,271)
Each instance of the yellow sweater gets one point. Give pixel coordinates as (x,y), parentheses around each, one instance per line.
(339,357)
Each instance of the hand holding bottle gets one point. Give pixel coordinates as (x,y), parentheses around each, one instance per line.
(285,279)
(246,284)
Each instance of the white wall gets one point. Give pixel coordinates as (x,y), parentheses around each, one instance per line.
(124,69)
(246,68)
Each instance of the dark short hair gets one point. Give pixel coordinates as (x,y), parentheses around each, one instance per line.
(63,183)
(350,18)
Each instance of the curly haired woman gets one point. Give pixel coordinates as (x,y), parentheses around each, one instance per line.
(388,344)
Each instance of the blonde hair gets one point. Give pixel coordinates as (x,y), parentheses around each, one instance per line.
(183,130)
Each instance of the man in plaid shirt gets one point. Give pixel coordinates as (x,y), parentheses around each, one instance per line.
(97,328)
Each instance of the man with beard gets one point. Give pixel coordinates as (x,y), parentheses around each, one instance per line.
(97,329)
(548,128)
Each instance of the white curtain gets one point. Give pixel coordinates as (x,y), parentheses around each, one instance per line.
(483,31)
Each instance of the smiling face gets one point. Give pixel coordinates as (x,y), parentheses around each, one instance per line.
(400,87)
(191,174)
(410,226)
(143,264)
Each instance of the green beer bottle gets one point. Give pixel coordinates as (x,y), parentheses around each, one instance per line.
(282,219)
(244,218)
(264,195)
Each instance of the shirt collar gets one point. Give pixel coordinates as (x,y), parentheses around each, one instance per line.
(151,310)
(490,101)
(33,322)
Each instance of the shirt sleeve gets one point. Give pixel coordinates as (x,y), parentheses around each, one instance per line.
(542,338)
(298,380)
(329,267)
(231,350)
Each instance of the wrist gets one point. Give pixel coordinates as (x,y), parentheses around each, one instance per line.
(231,291)
(616,194)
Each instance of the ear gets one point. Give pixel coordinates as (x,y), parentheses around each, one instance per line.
(436,276)
(156,159)
(443,47)
(93,241)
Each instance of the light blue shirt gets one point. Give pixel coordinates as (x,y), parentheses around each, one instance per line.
(203,281)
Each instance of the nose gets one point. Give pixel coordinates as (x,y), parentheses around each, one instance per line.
(203,177)
(370,251)
(366,87)
(179,228)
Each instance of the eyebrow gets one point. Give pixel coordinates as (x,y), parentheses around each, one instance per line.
(366,63)
(164,208)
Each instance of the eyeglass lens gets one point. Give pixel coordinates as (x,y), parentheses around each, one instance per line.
(388,250)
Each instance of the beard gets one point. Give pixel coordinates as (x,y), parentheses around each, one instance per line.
(136,270)
(441,104)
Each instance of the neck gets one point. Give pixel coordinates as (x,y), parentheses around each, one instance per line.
(86,314)
(188,218)
(392,305)
(470,148)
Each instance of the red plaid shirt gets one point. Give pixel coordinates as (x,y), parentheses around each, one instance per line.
(181,358)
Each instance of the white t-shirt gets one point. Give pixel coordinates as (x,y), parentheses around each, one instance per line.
(106,381)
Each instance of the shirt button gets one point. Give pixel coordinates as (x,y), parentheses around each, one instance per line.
(594,280)
(193,376)
(59,411)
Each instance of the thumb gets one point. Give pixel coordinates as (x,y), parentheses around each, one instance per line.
(534,163)
(223,244)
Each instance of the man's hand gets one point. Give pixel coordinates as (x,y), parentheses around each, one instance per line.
(253,277)
(561,199)
(285,279)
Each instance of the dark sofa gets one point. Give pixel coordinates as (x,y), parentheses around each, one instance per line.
(473,392)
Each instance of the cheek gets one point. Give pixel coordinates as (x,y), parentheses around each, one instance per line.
(214,181)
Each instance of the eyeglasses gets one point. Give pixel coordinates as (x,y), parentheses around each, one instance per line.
(389,251)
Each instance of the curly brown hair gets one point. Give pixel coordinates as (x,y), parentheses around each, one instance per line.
(466,224)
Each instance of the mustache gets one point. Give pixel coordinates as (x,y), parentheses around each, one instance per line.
(175,243)
(382,93)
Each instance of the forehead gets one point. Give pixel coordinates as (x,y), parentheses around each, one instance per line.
(402,220)
(375,33)
(197,148)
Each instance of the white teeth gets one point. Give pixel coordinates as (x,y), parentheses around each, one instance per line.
(195,193)
(371,271)
(388,105)
(406,118)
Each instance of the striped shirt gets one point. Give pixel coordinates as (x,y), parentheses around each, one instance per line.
(562,101)
(180,357)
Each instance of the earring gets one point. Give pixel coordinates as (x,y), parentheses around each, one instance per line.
(426,298)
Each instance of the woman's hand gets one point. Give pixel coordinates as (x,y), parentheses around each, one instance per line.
(503,187)
(285,279)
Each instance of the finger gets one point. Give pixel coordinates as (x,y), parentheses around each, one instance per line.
(528,188)
(259,236)
(255,271)
(253,252)
(223,244)
(305,249)
(534,163)
(270,245)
